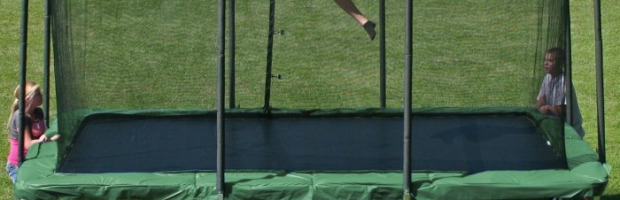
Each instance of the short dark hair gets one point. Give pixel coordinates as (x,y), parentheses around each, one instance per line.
(560,55)
(38,113)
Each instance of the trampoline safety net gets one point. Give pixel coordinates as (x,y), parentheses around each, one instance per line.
(162,54)
(134,55)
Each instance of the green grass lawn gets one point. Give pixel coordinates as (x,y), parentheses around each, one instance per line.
(325,58)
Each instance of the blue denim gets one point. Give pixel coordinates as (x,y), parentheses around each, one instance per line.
(11,170)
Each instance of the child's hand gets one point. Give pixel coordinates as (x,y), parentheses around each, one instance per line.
(40,140)
(54,138)
(544,109)
(44,138)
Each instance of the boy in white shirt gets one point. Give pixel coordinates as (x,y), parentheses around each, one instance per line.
(552,96)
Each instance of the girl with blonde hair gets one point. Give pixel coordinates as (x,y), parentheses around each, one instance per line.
(33,99)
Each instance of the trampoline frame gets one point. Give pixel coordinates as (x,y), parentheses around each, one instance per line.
(41,179)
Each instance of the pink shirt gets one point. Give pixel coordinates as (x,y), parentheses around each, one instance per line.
(13,155)
(36,131)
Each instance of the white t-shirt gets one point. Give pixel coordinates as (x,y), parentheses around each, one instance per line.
(555,94)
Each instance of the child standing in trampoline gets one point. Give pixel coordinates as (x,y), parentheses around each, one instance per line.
(552,96)
(33,99)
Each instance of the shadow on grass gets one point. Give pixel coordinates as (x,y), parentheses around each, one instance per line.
(611,197)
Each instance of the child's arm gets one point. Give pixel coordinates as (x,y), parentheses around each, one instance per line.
(51,134)
(540,104)
(556,110)
(545,108)
(44,138)
(28,141)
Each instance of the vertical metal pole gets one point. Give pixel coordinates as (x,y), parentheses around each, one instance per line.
(382,52)
(407,104)
(46,63)
(231,53)
(568,75)
(272,11)
(220,100)
(599,82)
(569,69)
(22,80)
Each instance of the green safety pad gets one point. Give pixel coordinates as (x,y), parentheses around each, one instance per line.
(585,177)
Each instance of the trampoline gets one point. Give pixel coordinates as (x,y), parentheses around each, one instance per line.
(284,155)
(460,152)
(365,140)
(143,117)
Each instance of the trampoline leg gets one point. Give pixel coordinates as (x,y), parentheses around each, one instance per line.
(407,195)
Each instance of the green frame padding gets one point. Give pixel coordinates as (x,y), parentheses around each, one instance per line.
(585,177)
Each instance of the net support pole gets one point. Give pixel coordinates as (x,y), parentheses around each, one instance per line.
(268,75)
(231,53)
(22,80)
(599,82)
(46,63)
(220,100)
(382,72)
(569,69)
(407,104)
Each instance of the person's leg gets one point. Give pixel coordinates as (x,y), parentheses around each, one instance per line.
(11,170)
(351,9)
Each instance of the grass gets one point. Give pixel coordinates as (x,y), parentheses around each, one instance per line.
(584,62)
(9,65)
(325,59)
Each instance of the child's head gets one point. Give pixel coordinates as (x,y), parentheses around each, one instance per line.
(37,114)
(33,97)
(554,61)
